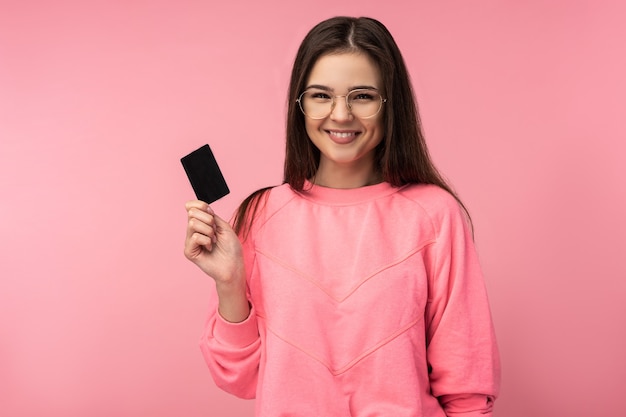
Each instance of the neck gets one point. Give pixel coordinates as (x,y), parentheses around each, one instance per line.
(345,176)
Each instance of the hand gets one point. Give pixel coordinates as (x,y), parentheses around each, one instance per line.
(213,245)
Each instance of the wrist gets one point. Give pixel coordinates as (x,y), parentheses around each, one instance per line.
(234,285)
(233,303)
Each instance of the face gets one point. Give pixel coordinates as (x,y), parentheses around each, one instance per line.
(344,140)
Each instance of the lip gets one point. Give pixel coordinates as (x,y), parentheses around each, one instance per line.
(342,137)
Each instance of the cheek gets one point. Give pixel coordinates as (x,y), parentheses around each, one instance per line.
(312,127)
(377,129)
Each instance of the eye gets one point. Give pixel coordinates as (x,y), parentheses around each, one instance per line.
(364,95)
(318,95)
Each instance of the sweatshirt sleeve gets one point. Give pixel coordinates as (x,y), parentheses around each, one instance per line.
(232,351)
(461,346)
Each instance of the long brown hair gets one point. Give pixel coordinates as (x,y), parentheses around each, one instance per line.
(402,156)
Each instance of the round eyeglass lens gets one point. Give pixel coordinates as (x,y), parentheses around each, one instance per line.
(362,103)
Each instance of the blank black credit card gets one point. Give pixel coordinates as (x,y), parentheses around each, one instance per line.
(204,175)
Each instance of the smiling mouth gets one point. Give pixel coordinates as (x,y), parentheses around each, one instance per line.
(342,137)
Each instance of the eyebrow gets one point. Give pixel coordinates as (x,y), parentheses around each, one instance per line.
(355,87)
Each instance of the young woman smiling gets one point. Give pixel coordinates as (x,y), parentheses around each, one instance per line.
(354,288)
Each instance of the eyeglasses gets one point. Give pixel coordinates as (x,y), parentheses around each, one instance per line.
(319,104)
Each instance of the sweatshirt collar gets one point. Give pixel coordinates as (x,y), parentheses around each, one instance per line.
(346,196)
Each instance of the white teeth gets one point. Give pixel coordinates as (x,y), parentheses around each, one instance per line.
(343,134)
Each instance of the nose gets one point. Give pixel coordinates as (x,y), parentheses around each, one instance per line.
(340,110)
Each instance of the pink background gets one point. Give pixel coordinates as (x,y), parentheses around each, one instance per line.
(100,314)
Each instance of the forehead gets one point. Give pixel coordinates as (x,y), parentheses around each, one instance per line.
(344,71)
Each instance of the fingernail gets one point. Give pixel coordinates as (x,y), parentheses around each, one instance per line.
(210,210)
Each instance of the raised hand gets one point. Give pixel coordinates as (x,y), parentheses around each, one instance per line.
(214,246)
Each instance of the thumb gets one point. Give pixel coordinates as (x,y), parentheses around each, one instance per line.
(221,223)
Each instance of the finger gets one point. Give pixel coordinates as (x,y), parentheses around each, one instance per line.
(196,244)
(203,223)
(221,223)
(203,213)
(200,215)
(196,225)
(198,204)
(199,239)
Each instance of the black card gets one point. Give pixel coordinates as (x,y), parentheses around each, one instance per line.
(204,175)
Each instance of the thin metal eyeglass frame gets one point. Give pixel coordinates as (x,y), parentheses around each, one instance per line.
(334,102)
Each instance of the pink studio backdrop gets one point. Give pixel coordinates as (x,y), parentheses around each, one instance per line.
(100,314)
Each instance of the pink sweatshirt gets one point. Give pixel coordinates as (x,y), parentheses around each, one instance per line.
(365,302)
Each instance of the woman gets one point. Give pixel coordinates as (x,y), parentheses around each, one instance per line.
(353,289)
